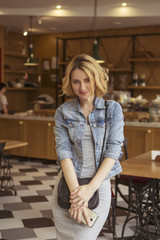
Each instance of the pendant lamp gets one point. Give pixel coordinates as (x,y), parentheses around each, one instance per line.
(95,53)
(31,60)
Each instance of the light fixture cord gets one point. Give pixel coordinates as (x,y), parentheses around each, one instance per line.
(94,21)
(95,18)
(30,29)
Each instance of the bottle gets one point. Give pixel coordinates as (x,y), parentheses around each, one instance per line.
(142,80)
(135,80)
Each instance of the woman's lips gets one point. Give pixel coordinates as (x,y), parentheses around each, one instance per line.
(83,93)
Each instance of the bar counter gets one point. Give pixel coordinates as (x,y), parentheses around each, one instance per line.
(40,118)
(38,132)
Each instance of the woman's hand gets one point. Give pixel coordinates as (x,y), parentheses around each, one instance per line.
(80,196)
(77,213)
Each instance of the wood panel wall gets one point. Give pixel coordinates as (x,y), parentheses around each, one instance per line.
(114,50)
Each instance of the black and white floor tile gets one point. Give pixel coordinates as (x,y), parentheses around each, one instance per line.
(28,215)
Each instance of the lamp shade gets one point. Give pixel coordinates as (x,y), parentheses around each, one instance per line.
(31,60)
(96,55)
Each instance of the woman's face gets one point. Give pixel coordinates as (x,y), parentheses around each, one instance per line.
(80,83)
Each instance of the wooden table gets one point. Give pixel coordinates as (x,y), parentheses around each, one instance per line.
(141,166)
(6,180)
(11,144)
(147,202)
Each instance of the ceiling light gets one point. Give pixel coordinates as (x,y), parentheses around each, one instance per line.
(58,6)
(124,4)
(31,60)
(25,33)
(96,53)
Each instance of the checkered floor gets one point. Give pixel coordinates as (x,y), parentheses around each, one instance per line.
(28,215)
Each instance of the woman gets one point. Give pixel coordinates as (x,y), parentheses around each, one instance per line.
(79,131)
(3,99)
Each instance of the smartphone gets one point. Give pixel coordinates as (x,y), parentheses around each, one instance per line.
(93,218)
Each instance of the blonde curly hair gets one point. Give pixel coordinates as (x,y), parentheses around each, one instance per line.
(93,70)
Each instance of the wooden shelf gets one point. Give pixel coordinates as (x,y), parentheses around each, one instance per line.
(144,59)
(22,89)
(10,54)
(145,88)
(19,71)
(120,70)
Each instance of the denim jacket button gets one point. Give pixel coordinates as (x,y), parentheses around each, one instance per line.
(94,125)
(98,143)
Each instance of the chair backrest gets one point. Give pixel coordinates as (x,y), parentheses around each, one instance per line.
(125,145)
(2,145)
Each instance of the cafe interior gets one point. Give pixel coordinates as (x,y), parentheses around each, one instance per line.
(37,40)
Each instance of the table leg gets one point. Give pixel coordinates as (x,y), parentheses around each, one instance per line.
(147,211)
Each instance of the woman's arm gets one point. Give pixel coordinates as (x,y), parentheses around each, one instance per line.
(85,192)
(4,108)
(69,174)
(72,183)
(102,173)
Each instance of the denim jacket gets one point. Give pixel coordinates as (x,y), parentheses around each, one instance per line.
(70,126)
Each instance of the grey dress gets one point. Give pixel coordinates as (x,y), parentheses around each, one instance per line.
(66,227)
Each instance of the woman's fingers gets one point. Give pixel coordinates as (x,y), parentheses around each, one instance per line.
(75,191)
(76,214)
(77,204)
(84,204)
(79,216)
(76,199)
(86,217)
(71,212)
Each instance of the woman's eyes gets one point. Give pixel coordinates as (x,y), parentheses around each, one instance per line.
(87,80)
(76,81)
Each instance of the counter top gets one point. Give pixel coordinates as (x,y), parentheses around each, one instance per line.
(142,124)
(25,117)
(40,118)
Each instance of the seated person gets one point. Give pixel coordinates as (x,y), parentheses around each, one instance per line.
(3,99)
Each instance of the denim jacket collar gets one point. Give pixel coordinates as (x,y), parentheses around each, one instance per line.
(99,103)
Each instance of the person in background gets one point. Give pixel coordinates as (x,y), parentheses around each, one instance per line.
(3,99)
(79,132)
